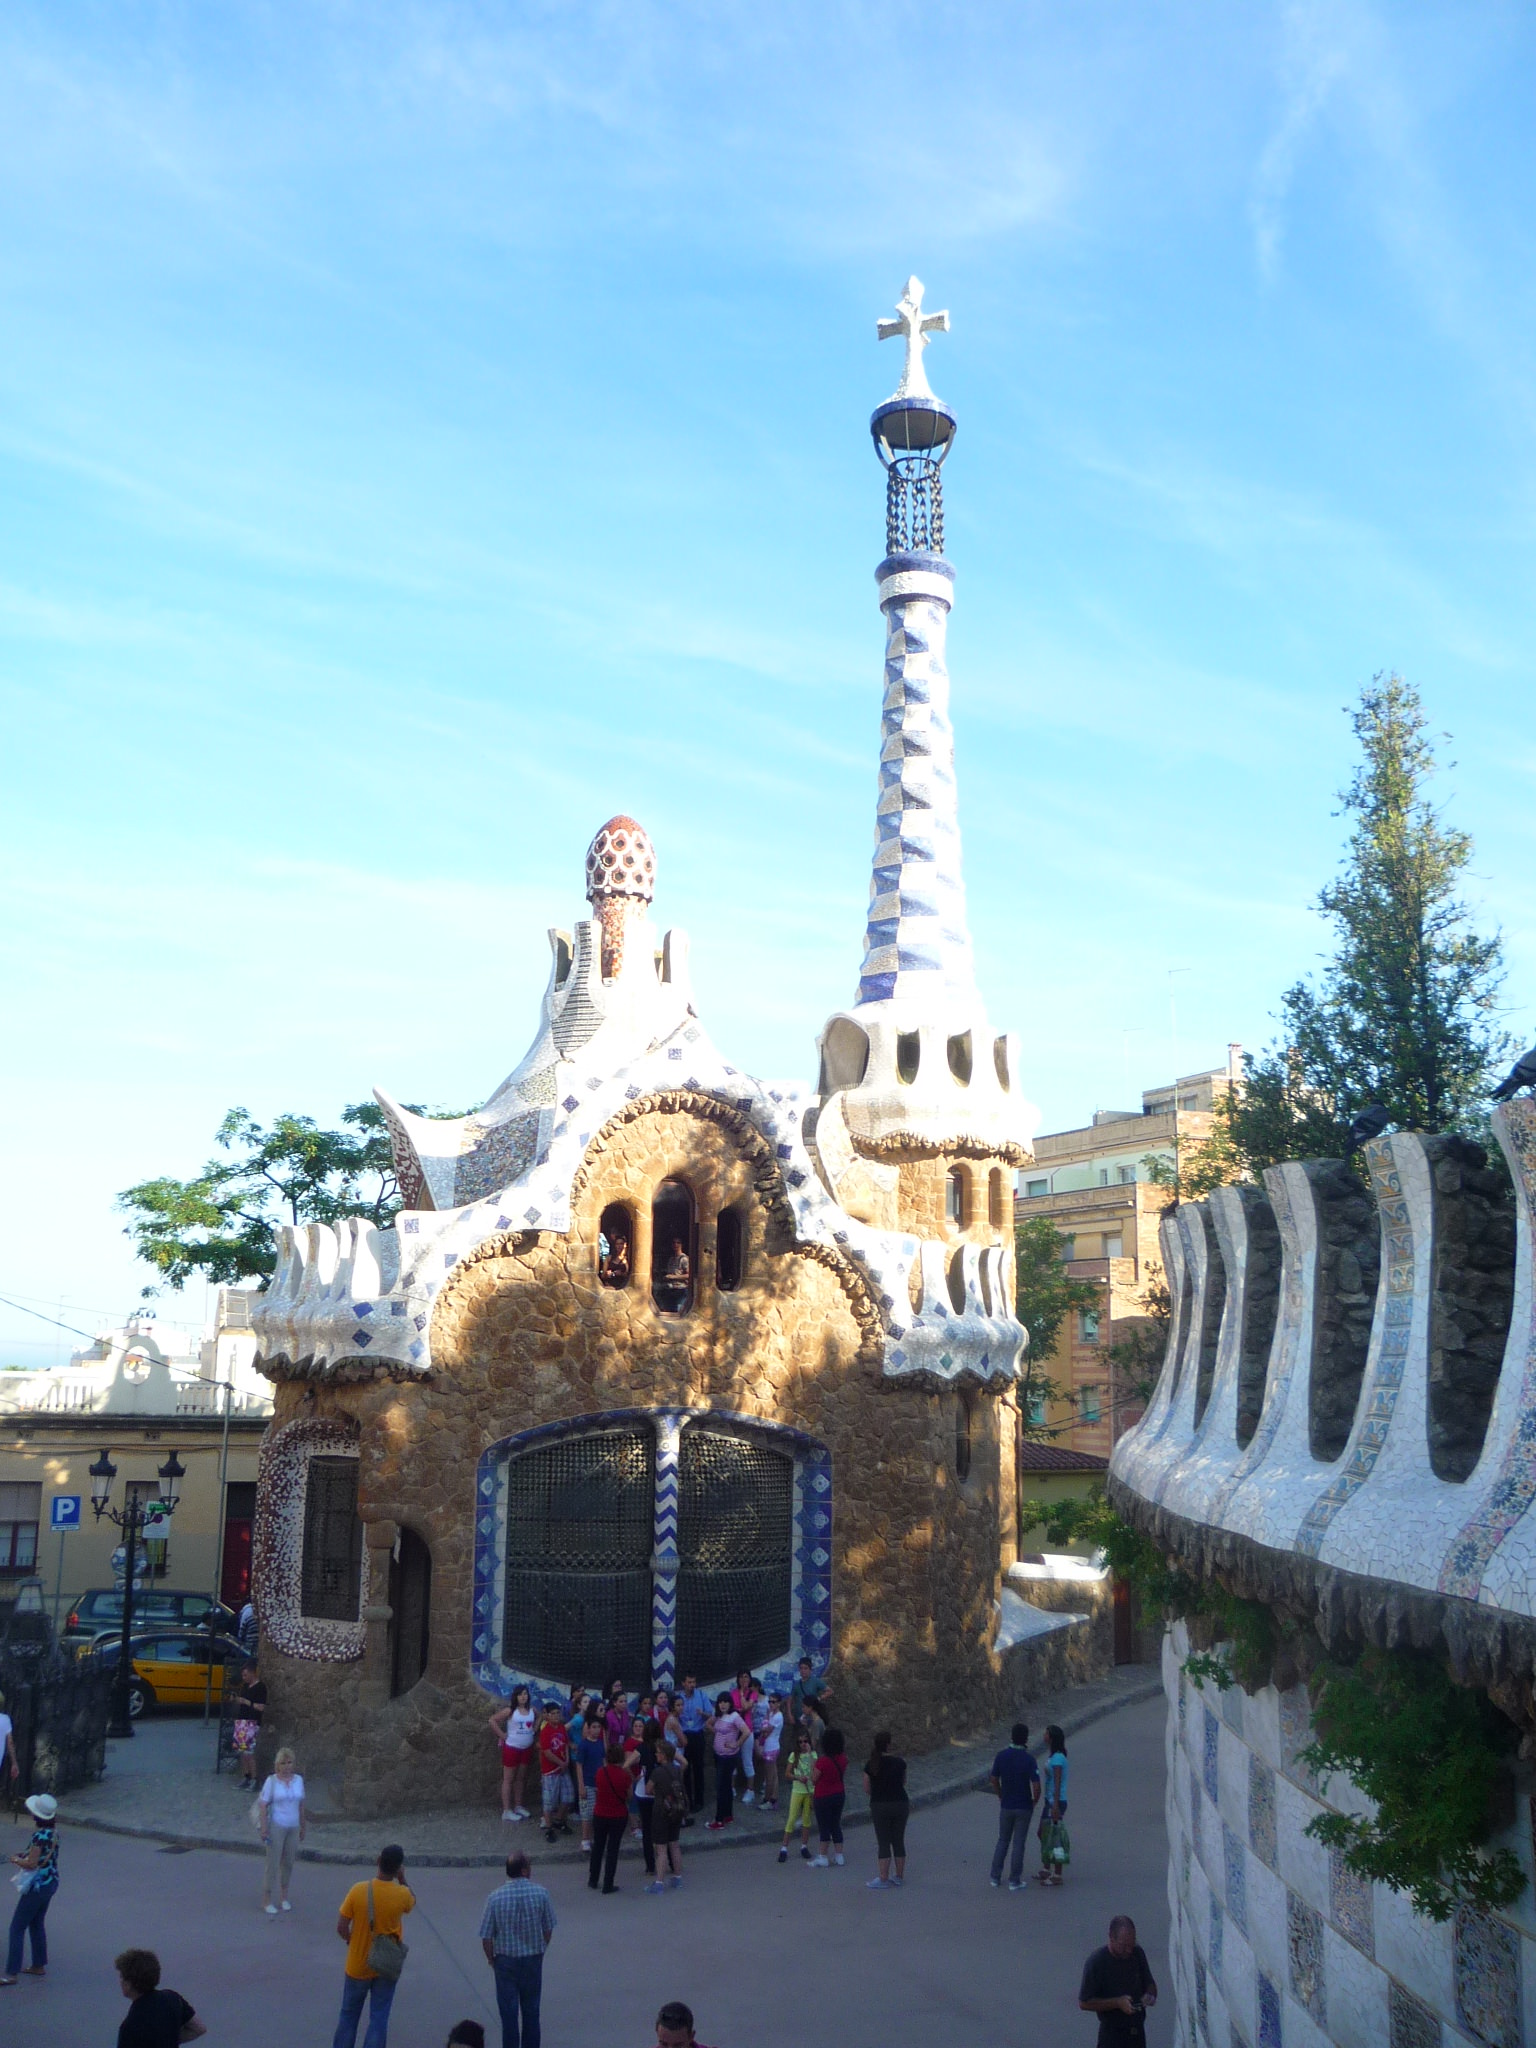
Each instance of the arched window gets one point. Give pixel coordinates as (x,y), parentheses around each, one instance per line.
(954,1197)
(730,1249)
(615,1245)
(995,1198)
(909,1046)
(674,1251)
(410,1598)
(959,1053)
(963,1406)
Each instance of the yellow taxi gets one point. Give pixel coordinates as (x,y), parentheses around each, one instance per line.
(172,1669)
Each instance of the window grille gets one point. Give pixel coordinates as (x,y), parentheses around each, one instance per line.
(580,1523)
(332,1570)
(21,1509)
(736,1553)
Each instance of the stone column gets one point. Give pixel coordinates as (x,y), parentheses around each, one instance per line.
(374,1689)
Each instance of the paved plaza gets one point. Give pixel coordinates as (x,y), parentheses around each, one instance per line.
(764,1953)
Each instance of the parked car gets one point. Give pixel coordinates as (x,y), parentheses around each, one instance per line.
(171,1670)
(153,1606)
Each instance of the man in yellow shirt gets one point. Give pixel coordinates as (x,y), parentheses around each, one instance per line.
(392,1900)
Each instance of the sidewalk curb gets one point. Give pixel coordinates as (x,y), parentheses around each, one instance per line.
(968,1778)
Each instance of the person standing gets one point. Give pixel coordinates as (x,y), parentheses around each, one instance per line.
(283,1828)
(885,1780)
(555,1795)
(727,1731)
(1119,1986)
(515,1930)
(669,1803)
(1055,1849)
(9,1768)
(250,1711)
(40,1863)
(156,2018)
(692,1714)
(809,1696)
(768,1748)
(514,1726)
(645,1799)
(802,1778)
(747,1699)
(1015,1778)
(829,1791)
(591,1754)
(610,1810)
(376,1906)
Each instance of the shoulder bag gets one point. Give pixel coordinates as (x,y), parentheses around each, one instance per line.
(386,1952)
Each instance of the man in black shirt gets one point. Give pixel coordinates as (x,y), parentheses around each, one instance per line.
(1119,1986)
(156,2018)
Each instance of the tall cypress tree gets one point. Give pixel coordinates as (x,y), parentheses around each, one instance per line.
(1406,1011)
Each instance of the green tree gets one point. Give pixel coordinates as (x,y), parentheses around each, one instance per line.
(222,1224)
(1405,1012)
(1047,1295)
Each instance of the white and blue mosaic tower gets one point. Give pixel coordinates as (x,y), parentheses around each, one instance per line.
(915,1059)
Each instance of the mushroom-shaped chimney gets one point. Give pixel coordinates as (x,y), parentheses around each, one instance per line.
(621,881)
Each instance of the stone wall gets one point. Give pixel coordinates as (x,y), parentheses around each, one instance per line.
(1274,1940)
(525,1334)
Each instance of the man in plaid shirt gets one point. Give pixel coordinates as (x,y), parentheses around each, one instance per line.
(515,1930)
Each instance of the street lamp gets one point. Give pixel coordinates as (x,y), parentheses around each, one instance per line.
(130,1518)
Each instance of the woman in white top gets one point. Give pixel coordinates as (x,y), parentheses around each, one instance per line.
(514,1725)
(282,1827)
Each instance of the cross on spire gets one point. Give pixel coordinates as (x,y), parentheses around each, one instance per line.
(914,326)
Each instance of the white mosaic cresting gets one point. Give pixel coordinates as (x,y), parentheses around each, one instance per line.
(1379,1509)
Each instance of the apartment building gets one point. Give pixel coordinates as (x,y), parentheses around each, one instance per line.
(1096,1184)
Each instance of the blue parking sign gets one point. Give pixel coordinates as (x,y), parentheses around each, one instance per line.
(66,1511)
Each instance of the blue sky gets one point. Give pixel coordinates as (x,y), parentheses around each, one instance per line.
(425,430)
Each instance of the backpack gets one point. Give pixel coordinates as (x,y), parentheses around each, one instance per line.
(674,1803)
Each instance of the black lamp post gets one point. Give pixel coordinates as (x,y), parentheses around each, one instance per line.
(130,1519)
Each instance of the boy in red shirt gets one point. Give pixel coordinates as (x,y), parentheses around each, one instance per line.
(557,1796)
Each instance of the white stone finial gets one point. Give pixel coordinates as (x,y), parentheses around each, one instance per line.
(914,326)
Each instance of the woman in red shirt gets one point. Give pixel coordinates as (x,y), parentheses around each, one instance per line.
(828,1791)
(610,1810)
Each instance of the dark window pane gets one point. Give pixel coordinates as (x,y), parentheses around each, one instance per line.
(736,1542)
(333,1541)
(580,1525)
(730,1249)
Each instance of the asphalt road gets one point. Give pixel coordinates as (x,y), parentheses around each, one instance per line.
(765,1954)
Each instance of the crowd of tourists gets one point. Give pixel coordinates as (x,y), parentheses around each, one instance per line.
(613,1766)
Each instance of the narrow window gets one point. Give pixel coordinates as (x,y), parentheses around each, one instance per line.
(21,1510)
(1114,1245)
(730,1249)
(954,1196)
(1127,1176)
(962,1436)
(672,1248)
(959,1052)
(1091,1408)
(1000,1063)
(955,1279)
(410,1600)
(615,1245)
(995,1198)
(908,1050)
(332,1562)
(1088,1326)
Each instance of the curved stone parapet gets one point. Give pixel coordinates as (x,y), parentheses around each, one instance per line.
(1414,1467)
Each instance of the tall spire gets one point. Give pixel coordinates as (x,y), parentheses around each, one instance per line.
(915,1061)
(916,927)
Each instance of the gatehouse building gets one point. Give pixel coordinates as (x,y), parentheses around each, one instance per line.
(662,1367)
